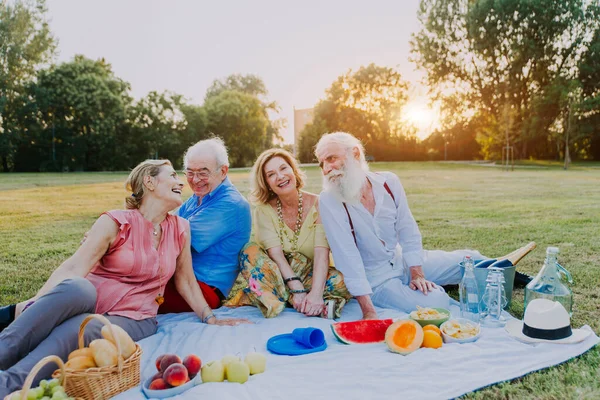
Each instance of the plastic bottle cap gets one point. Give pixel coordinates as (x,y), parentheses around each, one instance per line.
(552,250)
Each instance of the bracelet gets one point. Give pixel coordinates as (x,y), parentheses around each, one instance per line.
(205,307)
(298,291)
(293,278)
(209,316)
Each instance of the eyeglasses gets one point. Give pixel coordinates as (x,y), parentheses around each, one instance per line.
(202,175)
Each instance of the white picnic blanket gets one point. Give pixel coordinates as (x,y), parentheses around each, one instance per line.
(346,371)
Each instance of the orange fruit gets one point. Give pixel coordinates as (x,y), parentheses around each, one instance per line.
(431,340)
(432,328)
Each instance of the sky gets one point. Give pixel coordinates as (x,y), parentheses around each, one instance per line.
(297,48)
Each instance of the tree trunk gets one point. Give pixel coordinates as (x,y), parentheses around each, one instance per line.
(5,163)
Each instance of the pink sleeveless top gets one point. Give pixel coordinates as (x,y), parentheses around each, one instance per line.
(132,272)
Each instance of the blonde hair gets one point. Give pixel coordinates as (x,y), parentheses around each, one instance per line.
(135,181)
(260,191)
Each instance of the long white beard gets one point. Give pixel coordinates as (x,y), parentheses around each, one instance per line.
(346,184)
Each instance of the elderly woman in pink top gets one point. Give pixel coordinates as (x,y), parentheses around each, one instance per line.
(120,270)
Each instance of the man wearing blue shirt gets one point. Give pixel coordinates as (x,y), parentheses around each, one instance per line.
(220,224)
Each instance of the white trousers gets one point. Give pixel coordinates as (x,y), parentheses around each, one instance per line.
(439,267)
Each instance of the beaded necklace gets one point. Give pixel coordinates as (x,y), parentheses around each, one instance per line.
(282,231)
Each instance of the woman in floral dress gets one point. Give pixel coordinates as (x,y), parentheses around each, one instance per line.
(288,261)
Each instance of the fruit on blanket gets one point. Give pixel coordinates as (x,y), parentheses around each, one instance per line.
(193,364)
(156,376)
(48,390)
(167,360)
(404,336)
(176,374)
(257,362)
(360,332)
(158,384)
(432,340)
(104,352)
(433,328)
(157,362)
(237,371)
(229,358)
(83,362)
(85,352)
(126,342)
(214,371)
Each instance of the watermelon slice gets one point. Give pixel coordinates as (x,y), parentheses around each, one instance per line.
(361,332)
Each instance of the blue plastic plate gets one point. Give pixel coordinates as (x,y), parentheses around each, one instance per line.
(286,345)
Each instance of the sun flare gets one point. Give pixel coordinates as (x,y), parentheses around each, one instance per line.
(421,117)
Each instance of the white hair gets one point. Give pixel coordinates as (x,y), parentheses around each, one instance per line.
(346,140)
(213,147)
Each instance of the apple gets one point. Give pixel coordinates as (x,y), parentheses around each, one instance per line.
(237,371)
(229,358)
(257,362)
(214,371)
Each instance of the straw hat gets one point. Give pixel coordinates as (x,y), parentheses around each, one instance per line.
(545,321)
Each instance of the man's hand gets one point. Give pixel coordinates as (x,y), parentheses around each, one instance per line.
(312,304)
(367,307)
(418,281)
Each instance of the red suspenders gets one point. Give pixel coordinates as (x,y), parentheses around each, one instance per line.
(387,188)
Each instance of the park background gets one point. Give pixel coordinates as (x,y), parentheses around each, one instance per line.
(93,88)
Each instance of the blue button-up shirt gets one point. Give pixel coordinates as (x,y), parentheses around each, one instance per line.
(220,227)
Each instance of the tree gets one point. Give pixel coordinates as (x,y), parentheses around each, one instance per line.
(494,54)
(254,86)
(158,127)
(239,119)
(26,44)
(367,103)
(82,108)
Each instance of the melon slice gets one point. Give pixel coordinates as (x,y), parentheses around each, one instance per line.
(361,332)
(404,336)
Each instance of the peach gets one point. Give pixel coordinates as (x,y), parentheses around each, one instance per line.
(193,364)
(176,374)
(158,360)
(157,375)
(158,384)
(167,360)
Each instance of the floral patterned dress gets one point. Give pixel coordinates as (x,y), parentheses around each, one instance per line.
(260,282)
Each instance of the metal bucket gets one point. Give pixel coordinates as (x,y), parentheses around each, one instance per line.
(481,276)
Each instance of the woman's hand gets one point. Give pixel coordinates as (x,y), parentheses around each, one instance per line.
(312,304)
(227,321)
(297,299)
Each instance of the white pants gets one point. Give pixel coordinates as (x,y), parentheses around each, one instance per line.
(439,267)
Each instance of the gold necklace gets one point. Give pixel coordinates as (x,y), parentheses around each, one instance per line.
(294,239)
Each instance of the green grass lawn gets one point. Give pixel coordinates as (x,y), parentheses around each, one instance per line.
(43,217)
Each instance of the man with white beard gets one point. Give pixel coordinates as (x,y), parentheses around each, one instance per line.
(373,236)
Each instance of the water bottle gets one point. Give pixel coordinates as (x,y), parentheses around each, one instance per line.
(469,295)
(494,299)
(548,283)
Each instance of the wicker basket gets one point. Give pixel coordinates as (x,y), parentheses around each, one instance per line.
(105,382)
(34,371)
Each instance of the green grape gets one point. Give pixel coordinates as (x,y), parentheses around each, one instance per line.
(53,383)
(16,395)
(35,393)
(43,384)
(46,398)
(57,389)
(59,395)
